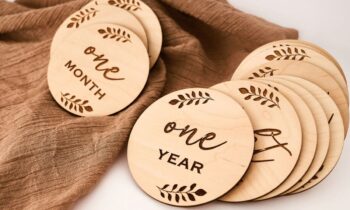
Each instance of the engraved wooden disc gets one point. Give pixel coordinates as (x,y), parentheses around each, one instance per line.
(277,134)
(309,72)
(321,124)
(148,19)
(289,52)
(336,132)
(93,72)
(95,13)
(309,138)
(195,151)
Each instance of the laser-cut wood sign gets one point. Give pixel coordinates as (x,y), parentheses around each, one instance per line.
(193,152)
(93,72)
(277,134)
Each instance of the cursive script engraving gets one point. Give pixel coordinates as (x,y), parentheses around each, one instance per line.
(101,60)
(171,126)
(269,132)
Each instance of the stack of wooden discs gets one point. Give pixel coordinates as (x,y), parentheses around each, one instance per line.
(101,56)
(277,128)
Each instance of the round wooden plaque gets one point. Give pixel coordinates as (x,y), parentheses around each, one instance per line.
(335,123)
(289,52)
(321,124)
(148,19)
(277,134)
(95,13)
(93,72)
(195,151)
(309,139)
(309,72)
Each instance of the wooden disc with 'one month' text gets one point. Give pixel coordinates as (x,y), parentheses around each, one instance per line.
(93,72)
(190,147)
(277,134)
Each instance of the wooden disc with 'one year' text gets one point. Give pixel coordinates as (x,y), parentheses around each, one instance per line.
(190,147)
(93,72)
(278,137)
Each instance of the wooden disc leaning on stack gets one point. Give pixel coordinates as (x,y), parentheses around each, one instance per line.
(336,133)
(309,139)
(278,137)
(323,137)
(293,51)
(195,151)
(93,71)
(148,20)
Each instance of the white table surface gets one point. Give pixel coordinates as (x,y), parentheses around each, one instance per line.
(323,22)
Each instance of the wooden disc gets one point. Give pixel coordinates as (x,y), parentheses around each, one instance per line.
(95,13)
(309,139)
(321,124)
(309,72)
(289,52)
(93,72)
(335,123)
(314,47)
(277,138)
(195,151)
(148,19)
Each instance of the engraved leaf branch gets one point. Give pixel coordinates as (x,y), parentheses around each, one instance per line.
(117,34)
(184,193)
(288,53)
(130,5)
(263,96)
(193,98)
(81,16)
(263,72)
(72,102)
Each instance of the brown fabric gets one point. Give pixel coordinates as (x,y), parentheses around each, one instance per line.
(50,158)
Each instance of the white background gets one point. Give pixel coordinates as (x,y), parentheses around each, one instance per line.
(323,22)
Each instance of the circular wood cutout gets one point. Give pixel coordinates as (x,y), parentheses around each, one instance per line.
(321,124)
(309,72)
(309,139)
(335,123)
(195,151)
(148,19)
(277,134)
(289,52)
(94,13)
(93,72)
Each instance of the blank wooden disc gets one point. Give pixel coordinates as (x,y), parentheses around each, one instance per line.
(309,72)
(289,52)
(148,19)
(95,13)
(277,137)
(190,147)
(309,139)
(336,132)
(321,124)
(93,72)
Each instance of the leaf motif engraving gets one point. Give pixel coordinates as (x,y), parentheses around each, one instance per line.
(191,98)
(287,52)
(81,17)
(262,96)
(130,5)
(118,34)
(263,72)
(180,195)
(73,103)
